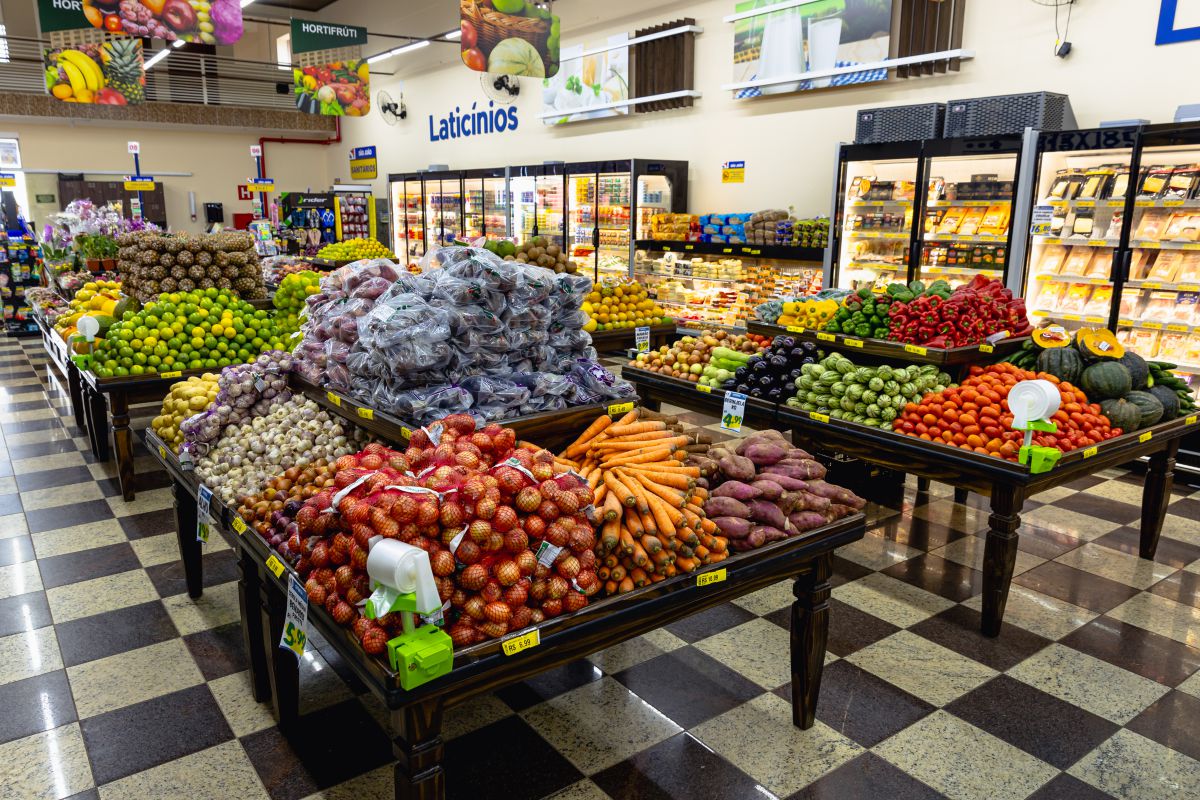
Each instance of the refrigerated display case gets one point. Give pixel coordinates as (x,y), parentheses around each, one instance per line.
(408,215)
(538,195)
(443,208)
(485,204)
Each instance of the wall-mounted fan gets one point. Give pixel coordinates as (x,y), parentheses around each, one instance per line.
(501,88)
(391,110)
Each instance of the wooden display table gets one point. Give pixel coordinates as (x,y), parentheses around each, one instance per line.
(60,357)
(416,715)
(1007,484)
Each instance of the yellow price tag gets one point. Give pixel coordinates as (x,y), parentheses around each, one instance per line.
(275,565)
(1157,326)
(239,524)
(700,387)
(1172,203)
(162,451)
(516,644)
(1188,287)
(826,337)
(1072,317)
(706,578)
(1151,285)
(986,348)
(1178,328)
(818,417)
(915,349)
(795,329)
(174,374)
(1147,436)
(333,398)
(1091,451)
(365,413)
(1191,420)
(854,343)
(620,408)
(1086,204)
(1149,245)
(406,433)
(1125,322)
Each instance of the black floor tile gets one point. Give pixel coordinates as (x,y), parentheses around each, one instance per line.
(680,767)
(35,704)
(46,479)
(497,761)
(1136,649)
(1185,507)
(851,630)
(1055,731)
(85,565)
(148,523)
(867,777)
(328,747)
(24,612)
(114,632)
(28,427)
(548,684)
(10,504)
(845,571)
(918,533)
(1101,507)
(1084,482)
(957,629)
(1173,721)
(1171,552)
(710,622)
(47,519)
(219,567)
(938,575)
(144,481)
(90,794)
(688,686)
(1182,587)
(1068,787)
(42,449)
(1076,586)
(16,550)
(153,732)
(863,707)
(218,651)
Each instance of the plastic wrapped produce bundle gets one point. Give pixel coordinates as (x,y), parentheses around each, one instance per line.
(243,390)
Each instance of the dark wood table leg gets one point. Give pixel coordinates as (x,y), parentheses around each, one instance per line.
(417,745)
(123,442)
(189,548)
(648,402)
(810,632)
(1156,496)
(75,389)
(1000,554)
(960,495)
(283,669)
(96,411)
(922,485)
(250,578)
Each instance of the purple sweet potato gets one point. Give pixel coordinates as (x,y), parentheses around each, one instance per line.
(768,514)
(726,507)
(768,490)
(803,501)
(769,534)
(836,494)
(733,528)
(764,453)
(759,437)
(814,469)
(737,467)
(788,484)
(803,470)
(806,520)
(737,490)
(702,483)
(798,453)
(742,545)
(838,510)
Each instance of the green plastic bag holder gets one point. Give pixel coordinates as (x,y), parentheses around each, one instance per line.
(1039,459)
(418,655)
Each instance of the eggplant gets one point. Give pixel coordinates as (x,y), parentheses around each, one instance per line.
(741,372)
(743,388)
(809,346)
(759,367)
(775,395)
(779,362)
(756,392)
(766,381)
(797,353)
(785,341)
(794,374)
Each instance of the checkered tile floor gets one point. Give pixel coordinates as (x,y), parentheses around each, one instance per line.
(114,684)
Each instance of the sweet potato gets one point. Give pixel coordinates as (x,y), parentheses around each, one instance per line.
(701,483)
(788,484)
(768,514)
(838,510)
(759,437)
(803,501)
(726,507)
(802,470)
(737,467)
(707,466)
(717,452)
(770,534)
(737,490)
(733,527)
(798,453)
(756,538)
(836,493)
(806,520)
(768,490)
(765,453)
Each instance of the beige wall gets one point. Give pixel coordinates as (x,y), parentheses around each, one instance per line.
(788,142)
(218,161)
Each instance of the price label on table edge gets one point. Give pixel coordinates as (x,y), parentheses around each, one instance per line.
(365,413)
(295,622)
(986,348)
(515,644)
(641,338)
(733,411)
(853,342)
(826,337)
(795,329)
(275,565)
(333,398)
(162,451)
(173,374)
(204,504)
(818,417)
(1147,436)
(1191,420)
(1091,451)
(702,387)
(239,524)
(707,578)
(620,408)
(915,349)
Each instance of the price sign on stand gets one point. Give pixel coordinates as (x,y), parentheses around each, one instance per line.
(295,622)
(134,148)
(256,151)
(733,412)
(8,179)
(203,513)
(1042,217)
(135,208)
(642,338)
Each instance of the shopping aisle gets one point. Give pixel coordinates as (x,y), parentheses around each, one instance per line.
(111,677)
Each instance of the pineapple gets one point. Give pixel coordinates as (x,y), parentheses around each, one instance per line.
(124,68)
(186,285)
(148,258)
(168,285)
(185,258)
(204,258)
(166,260)
(196,271)
(158,273)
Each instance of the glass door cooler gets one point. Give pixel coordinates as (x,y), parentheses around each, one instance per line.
(408,216)
(1082,184)
(443,208)
(966,217)
(875,205)
(485,204)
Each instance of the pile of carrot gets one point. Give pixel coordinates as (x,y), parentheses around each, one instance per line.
(652,522)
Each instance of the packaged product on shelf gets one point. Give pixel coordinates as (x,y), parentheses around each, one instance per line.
(1099,301)
(1173,347)
(1143,260)
(1076,298)
(1152,225)
(1050,295)
(1078,260)
(1131,300)
(1185,309)
(1182,227)
(1166,266)
(1115,225)
(1189,268)
(1160,306)
(1100,266)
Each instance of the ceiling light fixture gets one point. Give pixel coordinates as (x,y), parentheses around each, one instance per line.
(408,48)
(453,35)
(161,54)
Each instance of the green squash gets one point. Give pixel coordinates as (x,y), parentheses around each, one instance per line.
(1169,400)
(1106,380)
(1149,407)
(1064,363)
(1121,414)
(1139,371)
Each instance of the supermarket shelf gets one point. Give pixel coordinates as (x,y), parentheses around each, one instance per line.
(895,236)
(982,238)
(1148,244)
(877,267)
(1165,203)
(1091,319)
(1074,279)
(779,251)
(1169,287)
(962,270)
(879,203)
(689,277)
(904,353)
(1087,203)
(969,203)
(1173,327)
(1076,240)
(694,327)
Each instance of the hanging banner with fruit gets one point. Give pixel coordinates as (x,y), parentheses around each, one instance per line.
(202,21)
(329,75)
(83,65)
(510,37)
